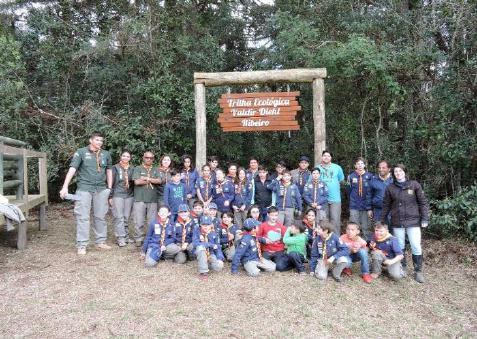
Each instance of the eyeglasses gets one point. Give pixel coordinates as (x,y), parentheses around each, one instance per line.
(148,157)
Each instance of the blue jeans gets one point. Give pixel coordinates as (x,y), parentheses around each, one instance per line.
(362,257)
(414,236)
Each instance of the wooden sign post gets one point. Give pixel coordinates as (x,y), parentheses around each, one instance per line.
(260,111)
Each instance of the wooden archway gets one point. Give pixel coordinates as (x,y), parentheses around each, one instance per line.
(314,76)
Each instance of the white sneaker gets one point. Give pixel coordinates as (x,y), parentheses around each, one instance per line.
(81,250)
(103,246)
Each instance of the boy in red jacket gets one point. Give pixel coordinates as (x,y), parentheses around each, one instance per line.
(270,235)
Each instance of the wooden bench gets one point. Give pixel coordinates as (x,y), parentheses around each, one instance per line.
(14,177)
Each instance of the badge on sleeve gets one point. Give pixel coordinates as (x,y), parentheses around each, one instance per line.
(410,191)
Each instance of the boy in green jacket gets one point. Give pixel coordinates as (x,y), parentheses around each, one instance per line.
(295,240)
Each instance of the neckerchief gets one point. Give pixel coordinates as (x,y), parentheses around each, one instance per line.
(124,167)
(206,239)
(165,170)
(98,160)
(301,175)
(285,194)
(148,174)
(315,188)
(259,249)
(163,233)
(325,255)
(184,228)
(327,175)
(207,184)
(187,176)
(360,184)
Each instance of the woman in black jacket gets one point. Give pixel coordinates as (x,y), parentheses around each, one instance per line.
(409,209)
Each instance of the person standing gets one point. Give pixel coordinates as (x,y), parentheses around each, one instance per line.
(301,175)
(262,195)
(357,187)
(93,168)
(405,200)
(146,178)
(377,187)
(189,176)
(165,166)
(121,198)
(252,174)
(332,175)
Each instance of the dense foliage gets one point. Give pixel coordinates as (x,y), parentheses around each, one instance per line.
(402,79)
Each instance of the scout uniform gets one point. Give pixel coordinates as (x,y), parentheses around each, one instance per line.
(91,189)
(145,201)
(357,187)
(122,195)
(330,248)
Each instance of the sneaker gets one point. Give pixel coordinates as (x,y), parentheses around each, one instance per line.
(121,243)
(203,276)
(367,278)
(81,250)
(347,271)
(374,275)
(103,246)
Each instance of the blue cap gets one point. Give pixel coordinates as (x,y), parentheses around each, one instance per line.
(205,220)
(212,205)
(183,208)
(304,158)
(250,223)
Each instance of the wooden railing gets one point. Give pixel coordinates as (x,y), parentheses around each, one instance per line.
(14,158)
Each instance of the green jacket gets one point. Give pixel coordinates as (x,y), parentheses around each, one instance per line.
(91,169)
(295,242)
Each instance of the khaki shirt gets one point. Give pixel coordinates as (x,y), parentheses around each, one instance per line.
(90,178)
(144,193)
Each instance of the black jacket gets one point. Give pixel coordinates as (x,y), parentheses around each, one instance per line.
(263,196)
(407,204)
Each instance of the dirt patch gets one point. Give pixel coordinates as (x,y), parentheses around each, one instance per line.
(48,291)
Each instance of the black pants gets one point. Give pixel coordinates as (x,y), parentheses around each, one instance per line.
(297,260)
(280,259)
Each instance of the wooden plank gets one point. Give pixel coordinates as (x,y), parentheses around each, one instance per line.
(12,142)
(271,118)
(224,104)
(259,77)
(259,95)
(1,171)
(11,184)
(10,165)
(264,123)
(319,119)
(22,235)
(201,125)
(19,151)
(263,129)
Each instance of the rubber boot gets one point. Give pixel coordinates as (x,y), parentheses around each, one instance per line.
(404,264)
(417,261)
(336,272)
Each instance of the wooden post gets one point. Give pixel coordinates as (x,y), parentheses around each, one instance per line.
(200,125)
(1,168)
(22,235)
(319,118)
(43,177)
(43,225)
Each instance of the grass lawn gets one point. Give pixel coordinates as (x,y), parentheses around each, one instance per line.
(47,290)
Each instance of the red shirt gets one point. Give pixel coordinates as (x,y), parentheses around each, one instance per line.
(273,233)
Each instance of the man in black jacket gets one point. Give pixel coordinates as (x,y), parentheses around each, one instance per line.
(263,196)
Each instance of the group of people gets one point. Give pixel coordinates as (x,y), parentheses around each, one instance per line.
(250,217)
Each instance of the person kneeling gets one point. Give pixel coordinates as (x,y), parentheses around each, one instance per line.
(385,251)
(328,252)
(248,252)
(160,239)
(207,248)
(184,230)
(295,240)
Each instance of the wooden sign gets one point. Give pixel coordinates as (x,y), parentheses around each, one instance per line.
(268,111)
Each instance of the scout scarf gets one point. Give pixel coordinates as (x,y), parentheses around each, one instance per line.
(206,239)
(259,249)
(327,175)
(166,171)
(285,194)
(360,184)
(183,223)
(124,167)
(315,188)
(323,247)
(98,160)
(301,175)
(187,176)
(148,174)
(163,230)
(207,185)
